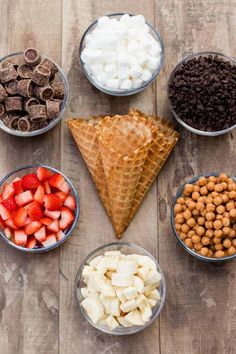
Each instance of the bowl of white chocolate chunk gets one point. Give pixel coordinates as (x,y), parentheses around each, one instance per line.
(120,288)
(121,54)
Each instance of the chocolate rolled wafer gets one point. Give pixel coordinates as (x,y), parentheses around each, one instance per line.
(24,124)
(3,93)
(37,113)
(59,90)
(25,88)
(11,87)
(30,102)
(53,108)
(25,71)
(2,110)
(7,74)
(31,56)
(41,75)
(13,122)
(7,119)
(38,125)
(13,103)
(6,63)
(50,65)
(44,93)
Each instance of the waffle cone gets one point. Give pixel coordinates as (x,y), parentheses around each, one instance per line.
(85,136)
(164,138)
(124,142)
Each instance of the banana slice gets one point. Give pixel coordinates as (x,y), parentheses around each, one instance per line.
(122,279)
(112,253)
(130,293)
(115,307)
(128,306)
(107,263)
(95,261)
(152,302)
(141,301)
(139,284)
(145,261)
(146,313)
(127,267)
(93,308)
(86,272)
(143,272)
(85,292)
(111,322)
(153,278)
(124,322)
(120,294)
(105,301)
(95,281)
(148,289)
(135,318)
(154,294)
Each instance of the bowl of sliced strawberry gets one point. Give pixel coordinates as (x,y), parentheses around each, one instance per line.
(39,208)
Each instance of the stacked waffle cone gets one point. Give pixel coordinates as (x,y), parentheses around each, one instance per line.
(124,154)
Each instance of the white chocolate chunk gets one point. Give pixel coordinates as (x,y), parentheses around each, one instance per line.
(93,308)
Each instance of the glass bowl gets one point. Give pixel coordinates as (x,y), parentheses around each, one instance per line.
(185,125)
(54,121)
(20,172)
(182,244)
(126,248)
(156,35)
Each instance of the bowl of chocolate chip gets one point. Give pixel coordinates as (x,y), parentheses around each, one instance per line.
(33,93)
(202,93)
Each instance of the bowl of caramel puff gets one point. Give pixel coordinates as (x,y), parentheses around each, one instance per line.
(203,217)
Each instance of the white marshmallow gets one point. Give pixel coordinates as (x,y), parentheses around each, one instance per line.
(126,84)
(137,20)
(136,83)
(101,78)
(113,84)
(136,71)
(146,75)
(153,63)
(103,21)
(123,72)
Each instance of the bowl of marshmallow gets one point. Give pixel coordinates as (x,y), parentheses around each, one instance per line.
(121,54)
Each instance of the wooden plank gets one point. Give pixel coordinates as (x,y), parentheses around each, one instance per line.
(199,315)
(77,336)
(29,284)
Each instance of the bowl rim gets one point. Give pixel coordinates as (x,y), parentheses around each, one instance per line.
(122,92)
(182,244)
(179,120)
(130,330)
(67,234)
(56,120)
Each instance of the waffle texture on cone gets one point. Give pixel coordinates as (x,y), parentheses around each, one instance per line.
(124,154)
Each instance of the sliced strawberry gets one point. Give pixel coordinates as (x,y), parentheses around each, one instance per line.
(2,223)
(33,227)
(52,202)
(7,232)
(50,240)
(60,235)
(20,238)
(24,198)
(28,220)
(43,173)
(52,214)
(40,235)
(10,223)
(30,181)
(4,212)
(56,180)
(54,226)
(66,218)
(1,198)
(31,242)
(10,204)
(14,180)
(17,185)
(46,221)
(35,211)
(65,187)
(8,191)
(47,187)
(70,202)
(20,217)
(39,195)
(61,195)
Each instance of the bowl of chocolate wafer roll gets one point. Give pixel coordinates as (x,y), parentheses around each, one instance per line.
(33,93)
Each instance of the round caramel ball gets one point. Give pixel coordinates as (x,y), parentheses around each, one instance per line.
(219,254)
(203,213)
(210,207)
(210,216)
(197,246)
(196,188)
(219,247)
(188,189)
(234,242)
(218,188)
(201,220)
(217,224)
(200,206)
(209,233)
(231,250)
(192,205)
(218,233)
(204,251)
(217,240)
(210,186)
(226,230)
(224,186)
(212,179)
(225,198)
(185,228)
(177,208)
(232,195)
(202,181)
(182,236)
(203,190)
(196,239)
(179,219)
(191,233)
(209,224)
(232,213)
(217,200)
(187,214)
(205,240)
(191,222)
(231,187)
(180,200)
(200,230)
(229,206)
(223,177)
(227,243)
(188,242)
(232,233)
(195,212)
(220,209)
(195,195)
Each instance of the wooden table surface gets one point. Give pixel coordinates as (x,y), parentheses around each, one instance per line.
(38,312)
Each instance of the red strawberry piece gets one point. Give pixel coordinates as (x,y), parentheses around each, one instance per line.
(28,220)
(52,202)
(61,195)
(20,217)
(50,240)
(4,212)
(43,173)
(2,223)
(1,198)
(46,221)
(14,180)
(40,235)
(10,204)
(66,218)
(56,180)
(24,198)
(65,188)
(60,235)
(17,185)
(20,238)
(54,226)
(8,191)
(10,224)
(31,242)
(52,214)
(30,181)
(47,187)
(33,227)
(70,202)
(39,195)
(35,211)
(7,232)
